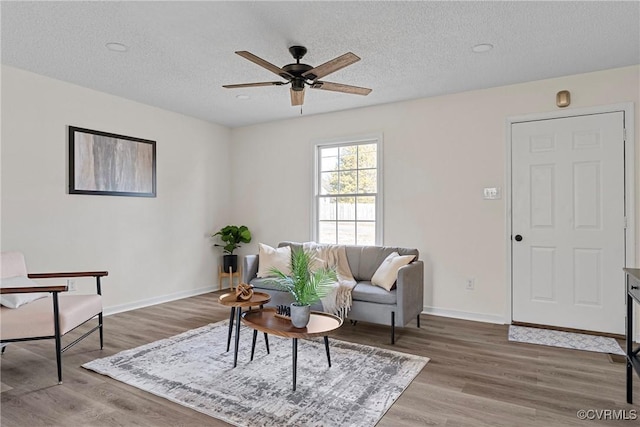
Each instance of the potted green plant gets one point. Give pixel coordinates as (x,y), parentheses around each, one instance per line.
(306,286)
(232,236)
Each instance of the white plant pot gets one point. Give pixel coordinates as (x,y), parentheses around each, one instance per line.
(300,315)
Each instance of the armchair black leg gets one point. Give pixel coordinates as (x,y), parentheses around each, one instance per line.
(56,324)
(418,319)
(4,348)
(101,335)
(393,327)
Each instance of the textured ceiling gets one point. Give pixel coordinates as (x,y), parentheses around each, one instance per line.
(181,53)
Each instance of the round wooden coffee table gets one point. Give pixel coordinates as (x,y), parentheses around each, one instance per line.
(320,324)
(258,299)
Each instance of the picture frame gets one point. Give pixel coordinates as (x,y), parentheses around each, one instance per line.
(108,164)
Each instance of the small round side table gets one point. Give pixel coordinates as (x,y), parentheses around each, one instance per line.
(230,300)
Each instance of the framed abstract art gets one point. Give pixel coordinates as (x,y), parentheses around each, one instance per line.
(108,164)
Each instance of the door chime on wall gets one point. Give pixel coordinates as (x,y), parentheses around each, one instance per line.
(563,98)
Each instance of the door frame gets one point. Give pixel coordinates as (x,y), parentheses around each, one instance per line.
(629,182)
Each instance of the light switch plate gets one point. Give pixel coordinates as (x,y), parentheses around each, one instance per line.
(492,193)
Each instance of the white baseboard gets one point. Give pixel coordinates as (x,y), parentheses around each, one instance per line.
(478,317)
(156,300)
(464,315)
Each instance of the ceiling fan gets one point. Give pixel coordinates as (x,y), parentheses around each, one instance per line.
(300,75)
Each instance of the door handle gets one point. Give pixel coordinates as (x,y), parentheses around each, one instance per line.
(518,238)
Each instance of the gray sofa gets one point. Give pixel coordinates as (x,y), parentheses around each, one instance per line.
(370,303)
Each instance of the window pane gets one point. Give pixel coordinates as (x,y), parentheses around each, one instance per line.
(347,182)
(329,163)
(329,183)
(346,208)
(347,233)
(366,233)
(367,157)
(327,209)
(348,157)
(327,232)
(366,208)
(367,181)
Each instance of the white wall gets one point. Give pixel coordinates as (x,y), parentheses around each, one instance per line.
(438,155)
(154,248)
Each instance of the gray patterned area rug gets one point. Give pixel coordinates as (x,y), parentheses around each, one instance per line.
(194,370)
(564,339)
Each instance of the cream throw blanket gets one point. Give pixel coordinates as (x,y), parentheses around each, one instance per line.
(338,302)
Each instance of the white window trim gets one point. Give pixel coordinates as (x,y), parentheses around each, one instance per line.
(336,142)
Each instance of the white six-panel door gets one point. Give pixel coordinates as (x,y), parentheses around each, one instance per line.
(568,209)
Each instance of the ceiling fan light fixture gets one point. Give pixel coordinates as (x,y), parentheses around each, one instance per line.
(297,84)
(482,47)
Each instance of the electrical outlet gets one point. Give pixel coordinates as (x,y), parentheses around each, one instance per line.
(71,284)
(470,284)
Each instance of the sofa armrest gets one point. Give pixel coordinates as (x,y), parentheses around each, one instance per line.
(410,286)
(249,268)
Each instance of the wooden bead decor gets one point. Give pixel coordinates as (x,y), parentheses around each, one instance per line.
(244,292)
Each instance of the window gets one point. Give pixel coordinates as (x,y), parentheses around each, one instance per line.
(348,202)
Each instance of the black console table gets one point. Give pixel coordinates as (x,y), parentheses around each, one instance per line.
(633,360)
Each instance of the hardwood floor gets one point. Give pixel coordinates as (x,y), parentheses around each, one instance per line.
(476,377)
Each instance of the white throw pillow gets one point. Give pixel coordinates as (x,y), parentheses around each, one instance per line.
(269,258)
(16,300)
(386,275)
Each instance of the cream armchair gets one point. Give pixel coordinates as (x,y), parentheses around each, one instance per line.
(31,311)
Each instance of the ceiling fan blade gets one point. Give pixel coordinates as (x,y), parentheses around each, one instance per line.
(264,64)
(332,66)
(297,97)
(254,84)
(339,87)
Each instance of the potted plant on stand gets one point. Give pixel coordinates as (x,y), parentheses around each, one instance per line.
(232,236)
(306,286)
